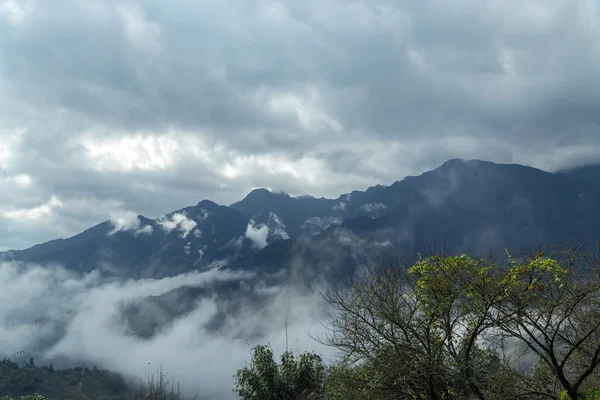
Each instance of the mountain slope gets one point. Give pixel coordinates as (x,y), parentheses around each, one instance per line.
(303,215)
(72,383)
(462,205)
(588,174)
(462,202)
(472,206)
(191,238)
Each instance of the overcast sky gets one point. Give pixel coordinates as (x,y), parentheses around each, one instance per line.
(153,105)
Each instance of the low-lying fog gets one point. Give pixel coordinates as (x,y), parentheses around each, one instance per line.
(59,317)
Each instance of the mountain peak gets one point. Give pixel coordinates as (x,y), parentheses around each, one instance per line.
(208,205)
(461,162)
(470,204)
(263,194)
(260,192)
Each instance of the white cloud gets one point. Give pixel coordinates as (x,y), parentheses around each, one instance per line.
(141,33)
(258,233)
(216,264)
(145,230)
(277,227)
(45,210)
(22,180)
(304,170)
(373,207)
(200,257)
(205,214)
(316,225)
(177,221)
(128,221)
(15,11)
(340,206)
(9,141)
(127,153)
(51,299)
(307,108)
(41,292)
(350,239)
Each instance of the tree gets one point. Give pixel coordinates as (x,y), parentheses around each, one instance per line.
(158,385)
(439,329)
(300,377)
(417,330)
(29,397)
(552,306)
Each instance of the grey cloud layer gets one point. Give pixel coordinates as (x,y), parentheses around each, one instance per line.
(150,106)
(61,317)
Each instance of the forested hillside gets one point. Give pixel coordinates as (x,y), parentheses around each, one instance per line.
(79,383)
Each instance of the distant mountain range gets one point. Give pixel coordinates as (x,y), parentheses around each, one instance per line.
(473,205)
(274,239)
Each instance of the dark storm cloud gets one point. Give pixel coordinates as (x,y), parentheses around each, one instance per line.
(150,106)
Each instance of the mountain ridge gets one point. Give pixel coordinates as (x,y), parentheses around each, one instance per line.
(461,201)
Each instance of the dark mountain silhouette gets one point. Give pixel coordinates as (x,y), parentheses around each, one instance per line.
(294,212)
(476,205)
(195,237)
(473,205)
(588,174)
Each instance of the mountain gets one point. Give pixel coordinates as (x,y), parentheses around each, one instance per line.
(476,205)
(267,239)
(464,205)
(471,206)
(196,237)
(299,216)
(588,174)
(308,216)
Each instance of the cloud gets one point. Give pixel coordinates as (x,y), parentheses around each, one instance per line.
(340,206)
(139,32)
(351,94)
(146,230)
(34,213)
(42,311)
(22,180)
(178,222)
(316,225)
(78,319)
(373,208)
(277,227)
(128,221)
(15,11)
(139,152)
(258,234)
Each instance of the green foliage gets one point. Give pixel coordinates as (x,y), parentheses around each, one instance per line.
(365,380)
(73,383)
(28,397)
(438,329)
(295,377)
